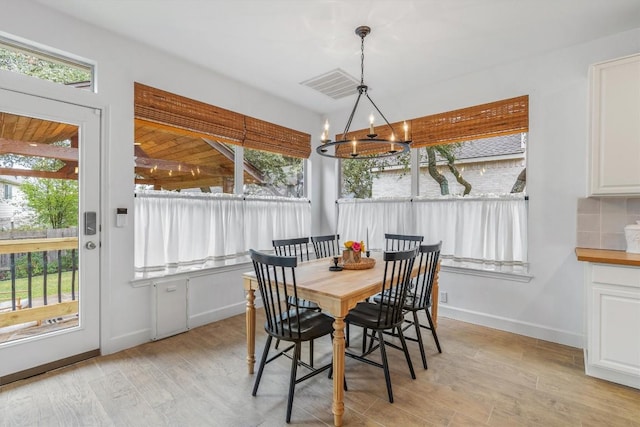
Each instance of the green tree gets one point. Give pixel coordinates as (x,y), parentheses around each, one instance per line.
(54,201)
(282,175)
(358,175)
(42,68)
(521,182)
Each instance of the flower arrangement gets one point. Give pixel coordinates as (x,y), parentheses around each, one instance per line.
(352,251)
(354,246)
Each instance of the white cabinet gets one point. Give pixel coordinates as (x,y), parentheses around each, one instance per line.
(169,308)
(614,164)
(613,323)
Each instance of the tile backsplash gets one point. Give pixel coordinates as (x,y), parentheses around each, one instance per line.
(601,221)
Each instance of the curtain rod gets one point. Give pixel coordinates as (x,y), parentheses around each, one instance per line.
(217,196)
(443,199)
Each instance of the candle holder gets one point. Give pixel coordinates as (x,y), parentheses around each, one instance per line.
(335,266)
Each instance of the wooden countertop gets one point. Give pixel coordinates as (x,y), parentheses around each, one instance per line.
(604,256)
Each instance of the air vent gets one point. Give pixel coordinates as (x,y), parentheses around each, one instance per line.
(335,84)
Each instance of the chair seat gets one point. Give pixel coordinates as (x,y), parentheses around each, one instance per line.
(313,324)
(408,302)
(366,314)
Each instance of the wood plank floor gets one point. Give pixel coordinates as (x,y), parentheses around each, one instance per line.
(199,378)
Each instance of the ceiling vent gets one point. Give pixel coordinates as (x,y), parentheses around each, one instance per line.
(335,84)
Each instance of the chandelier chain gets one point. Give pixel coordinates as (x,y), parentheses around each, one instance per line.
(362,60)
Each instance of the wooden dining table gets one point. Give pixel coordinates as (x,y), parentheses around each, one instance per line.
(336,292)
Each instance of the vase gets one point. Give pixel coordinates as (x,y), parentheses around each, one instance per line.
(350,257)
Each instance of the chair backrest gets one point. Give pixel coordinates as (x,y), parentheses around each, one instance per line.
(276,278)
(395,285)
(326,246)
(401,242)
(428,258)
(298,247)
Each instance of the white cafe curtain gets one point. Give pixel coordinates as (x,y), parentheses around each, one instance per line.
(186,230)
(478,232)
(370,219)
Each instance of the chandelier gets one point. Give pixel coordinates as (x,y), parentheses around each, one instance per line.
(364,146)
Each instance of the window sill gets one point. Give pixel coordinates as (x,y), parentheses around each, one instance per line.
(143,279)
(516,276)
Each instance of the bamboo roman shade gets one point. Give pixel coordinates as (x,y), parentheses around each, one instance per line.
(195,117)
(497,118)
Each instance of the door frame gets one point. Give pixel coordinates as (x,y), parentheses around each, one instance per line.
(26,85)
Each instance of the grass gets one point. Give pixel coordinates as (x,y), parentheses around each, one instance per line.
(37,286)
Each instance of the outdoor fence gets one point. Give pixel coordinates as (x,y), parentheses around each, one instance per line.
(48,259)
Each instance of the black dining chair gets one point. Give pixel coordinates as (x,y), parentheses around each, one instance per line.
(419,296)
(395,242)
(401,242)
(296,247)
(276,278)
(326,246)
(387,316)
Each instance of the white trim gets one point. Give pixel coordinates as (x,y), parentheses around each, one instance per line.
(504,275)
(219,313)
(515,326)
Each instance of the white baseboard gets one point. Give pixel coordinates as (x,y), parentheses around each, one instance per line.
(216,314)
(512,325)
(126,341)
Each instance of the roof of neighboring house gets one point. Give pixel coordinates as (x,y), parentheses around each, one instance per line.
(489,147)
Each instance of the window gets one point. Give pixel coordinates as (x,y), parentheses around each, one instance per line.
(191,148)
(8,192)
(272,174)
(31,61)
(184,144)
(470,181)
(384,177)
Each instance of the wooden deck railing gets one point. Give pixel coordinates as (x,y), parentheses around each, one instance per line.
(12,310)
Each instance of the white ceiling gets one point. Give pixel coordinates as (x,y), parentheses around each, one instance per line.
(276,44)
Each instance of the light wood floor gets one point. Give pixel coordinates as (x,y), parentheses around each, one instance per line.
(199,378)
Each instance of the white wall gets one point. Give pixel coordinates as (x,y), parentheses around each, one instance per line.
(550,306)
(125,310)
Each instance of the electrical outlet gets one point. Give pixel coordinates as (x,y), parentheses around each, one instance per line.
(443,297)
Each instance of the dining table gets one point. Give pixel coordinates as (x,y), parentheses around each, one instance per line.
(336,292)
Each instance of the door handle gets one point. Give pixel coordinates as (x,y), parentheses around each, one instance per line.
(90,245)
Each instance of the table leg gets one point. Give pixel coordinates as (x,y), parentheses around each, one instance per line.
(250,314)
(338,370)
(435,294)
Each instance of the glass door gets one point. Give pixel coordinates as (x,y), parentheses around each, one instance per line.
(49,234)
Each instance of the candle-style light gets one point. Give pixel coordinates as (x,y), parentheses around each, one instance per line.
(371,124)
(406,131)
(325,133)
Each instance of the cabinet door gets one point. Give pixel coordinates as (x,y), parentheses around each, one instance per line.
(615,328)
(615,127)
(169,308)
